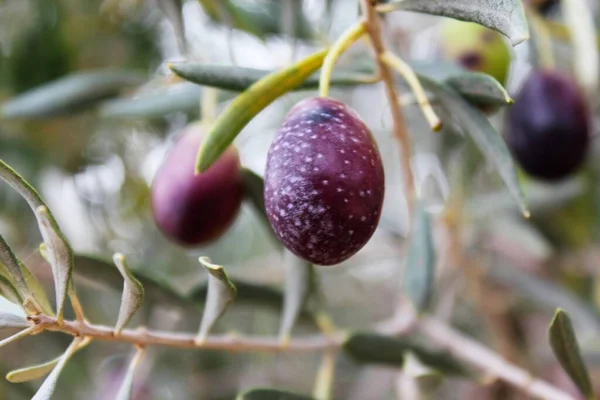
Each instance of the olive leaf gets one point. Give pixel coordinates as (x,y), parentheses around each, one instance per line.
(245,106)
(133,293)
(298,282)
(370,348)
(47,389)
(270,394)
(8,289)
(39,371)
(477,87)
(221,292)
(11,264)
(566,349)
(420,267)
(127,385)
(238,79)
(12,315)
(505,16)
(19,335)
(479,128)
(37,290)
(155,103)
(59,252)
(69,94)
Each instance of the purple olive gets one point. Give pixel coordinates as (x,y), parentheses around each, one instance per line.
(324,182)
(194,210)
(548,127)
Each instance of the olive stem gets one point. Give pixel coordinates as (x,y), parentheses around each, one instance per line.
(349,37)
(374,32)
(413,81)
(453,341)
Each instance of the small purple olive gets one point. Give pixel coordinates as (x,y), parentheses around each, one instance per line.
(324,182)
(194,210)
(548,127)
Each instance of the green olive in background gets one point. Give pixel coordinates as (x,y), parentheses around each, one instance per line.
(476,48)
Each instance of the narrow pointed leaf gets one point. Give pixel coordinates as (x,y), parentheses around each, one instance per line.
(59,253)
(10,262)
(367,348)
(479,128)
(505,16)
(38,371)
(17,336)
(126,389)
(37,290)
(238,79)
(12,315)
(478,87)
(248,104)
(419,272)
(154,104)
(68,95)
(298,279)
(566,349)
(47,389)
(133,293)
(221,292)
(420,378)
(8,289)
(271,394)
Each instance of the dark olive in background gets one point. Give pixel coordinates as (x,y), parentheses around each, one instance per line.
(324,182)
(548,126)
(194,210)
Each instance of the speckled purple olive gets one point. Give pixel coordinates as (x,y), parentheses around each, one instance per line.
(548,127)
(324,182)
(194,210)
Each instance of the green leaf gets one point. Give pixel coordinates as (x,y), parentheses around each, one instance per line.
(479,88)
(70,94)
(8,289)
(11,264)
(248,104)
(419,379)
(133,293)
(505,16)
(19,335)
(238,79)
(12,315)
(566,349)
(420,268)
(127,386)
(154,104)
(270,394)
(37,290)
(221,293)
(479,128)
(370,348)
(298,284)
(47,389)
(38,371)
(58,253)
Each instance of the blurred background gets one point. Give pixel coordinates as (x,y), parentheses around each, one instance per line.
(95,169)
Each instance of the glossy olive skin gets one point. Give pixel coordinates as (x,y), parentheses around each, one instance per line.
(324,182)
(194,210)
(548,127)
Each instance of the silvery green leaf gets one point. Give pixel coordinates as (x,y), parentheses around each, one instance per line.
(221,292)
(133,292)
(479,128)
(566,349)
(10,262)
(38,371)
(423,379)
(59,254)
(420,268)
(479,88)
(69,94)
(19,335)
(37,290)
(47,389)
(298,278)
(505,16)
(12,315)
(127,385)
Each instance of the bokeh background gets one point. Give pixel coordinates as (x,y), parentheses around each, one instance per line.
(95,168)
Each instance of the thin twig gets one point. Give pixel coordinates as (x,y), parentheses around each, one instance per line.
(374,32)
(485,359)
